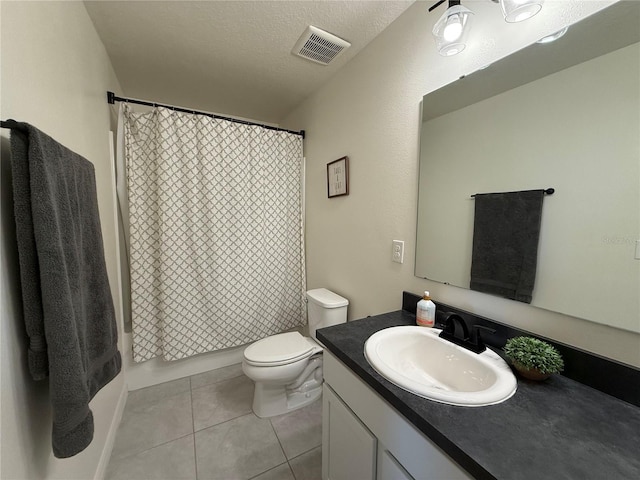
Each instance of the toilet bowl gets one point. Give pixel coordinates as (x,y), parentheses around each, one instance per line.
(287,368)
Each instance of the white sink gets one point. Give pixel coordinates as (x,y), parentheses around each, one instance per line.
(417,360)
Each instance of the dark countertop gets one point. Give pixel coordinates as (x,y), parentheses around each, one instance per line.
(558,429)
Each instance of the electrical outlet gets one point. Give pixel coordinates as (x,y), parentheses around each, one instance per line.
(397,253)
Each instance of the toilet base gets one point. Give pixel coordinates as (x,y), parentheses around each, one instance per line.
(269,401)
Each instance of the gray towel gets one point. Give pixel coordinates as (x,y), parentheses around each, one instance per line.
(506,231)
(68,309)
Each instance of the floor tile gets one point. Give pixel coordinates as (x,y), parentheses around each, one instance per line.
(301,430)
(281,472)
(158,392)
(221,401)
(238,449)
(147,424)
(217,375)
(308,466)
(174,460)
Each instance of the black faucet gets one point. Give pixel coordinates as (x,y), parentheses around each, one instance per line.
(476,345)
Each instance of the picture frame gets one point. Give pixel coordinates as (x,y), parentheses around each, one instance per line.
(338,177)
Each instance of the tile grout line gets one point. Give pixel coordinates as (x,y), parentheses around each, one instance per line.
(281,447)
(193,430)
(298,456)
(221,423)
(216,381)
(304,453)
(153,447)
(291,470)
(272,468)
(193,422)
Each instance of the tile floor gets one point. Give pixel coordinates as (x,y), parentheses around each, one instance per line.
(203,428)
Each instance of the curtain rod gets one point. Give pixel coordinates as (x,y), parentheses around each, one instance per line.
(112,98)
(547,191)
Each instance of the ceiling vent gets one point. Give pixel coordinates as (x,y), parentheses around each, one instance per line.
(319,46)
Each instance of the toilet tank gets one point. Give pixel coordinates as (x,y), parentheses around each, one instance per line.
(325,308)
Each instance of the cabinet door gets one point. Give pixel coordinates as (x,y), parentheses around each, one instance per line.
(388,466)
(348,447)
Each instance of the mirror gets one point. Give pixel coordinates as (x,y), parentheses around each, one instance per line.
(564,115)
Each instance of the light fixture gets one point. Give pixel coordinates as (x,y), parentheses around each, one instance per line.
(451,30)
(554,36)
(519,10)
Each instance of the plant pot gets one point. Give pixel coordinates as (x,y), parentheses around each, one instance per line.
(531,373)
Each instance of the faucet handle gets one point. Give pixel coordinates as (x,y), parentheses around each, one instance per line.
(482,327)
(478,338)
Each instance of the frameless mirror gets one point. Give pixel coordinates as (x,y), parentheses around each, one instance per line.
(564,115)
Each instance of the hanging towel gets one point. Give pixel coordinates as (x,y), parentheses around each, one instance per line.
(506,231)
(68,309)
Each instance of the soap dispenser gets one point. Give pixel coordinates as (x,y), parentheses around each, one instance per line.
(426,311)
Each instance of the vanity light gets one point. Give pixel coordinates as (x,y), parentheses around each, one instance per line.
(519,10)
(554,36)
(451,30)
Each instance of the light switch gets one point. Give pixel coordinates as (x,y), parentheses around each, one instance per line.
(397,254)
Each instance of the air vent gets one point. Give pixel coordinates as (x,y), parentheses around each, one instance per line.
(319,46)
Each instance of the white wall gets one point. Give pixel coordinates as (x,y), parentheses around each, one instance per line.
(370,111)
(55,74)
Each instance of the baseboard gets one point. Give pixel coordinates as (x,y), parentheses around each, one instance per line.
(111,435)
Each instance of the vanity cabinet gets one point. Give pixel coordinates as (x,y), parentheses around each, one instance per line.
(363,437)
(350,451)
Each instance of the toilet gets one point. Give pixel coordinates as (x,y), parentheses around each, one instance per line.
(287,368)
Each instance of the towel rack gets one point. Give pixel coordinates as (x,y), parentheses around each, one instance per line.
(12,124)
(546,191)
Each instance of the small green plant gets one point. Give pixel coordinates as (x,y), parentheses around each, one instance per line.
(532,353)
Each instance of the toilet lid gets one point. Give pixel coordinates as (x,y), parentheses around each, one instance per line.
(279,349)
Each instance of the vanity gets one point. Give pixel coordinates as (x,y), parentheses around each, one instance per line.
(559,428)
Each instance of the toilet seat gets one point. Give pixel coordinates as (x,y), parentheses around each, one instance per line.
(281,349)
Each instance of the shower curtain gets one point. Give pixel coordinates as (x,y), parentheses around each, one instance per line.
(216,232)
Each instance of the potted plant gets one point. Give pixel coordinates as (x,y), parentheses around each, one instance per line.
(533,358)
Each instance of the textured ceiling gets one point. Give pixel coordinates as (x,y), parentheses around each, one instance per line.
(230,57)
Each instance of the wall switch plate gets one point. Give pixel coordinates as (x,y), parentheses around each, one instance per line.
(637,257)
(397,254)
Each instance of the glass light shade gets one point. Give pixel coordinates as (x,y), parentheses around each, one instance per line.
(554,36)
(519,10)
(451,30)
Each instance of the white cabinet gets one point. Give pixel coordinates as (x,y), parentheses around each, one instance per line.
(363,437)
(389,468)
(350,451)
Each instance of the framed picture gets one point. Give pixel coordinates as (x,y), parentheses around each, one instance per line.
(338,177)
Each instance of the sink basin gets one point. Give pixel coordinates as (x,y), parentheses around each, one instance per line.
(416,359)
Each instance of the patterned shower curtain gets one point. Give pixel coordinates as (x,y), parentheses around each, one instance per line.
(216,232)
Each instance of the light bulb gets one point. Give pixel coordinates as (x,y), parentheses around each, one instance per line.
(453,29)
(523,16)
(520,10)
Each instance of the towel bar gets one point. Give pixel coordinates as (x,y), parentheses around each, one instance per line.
(547,191)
